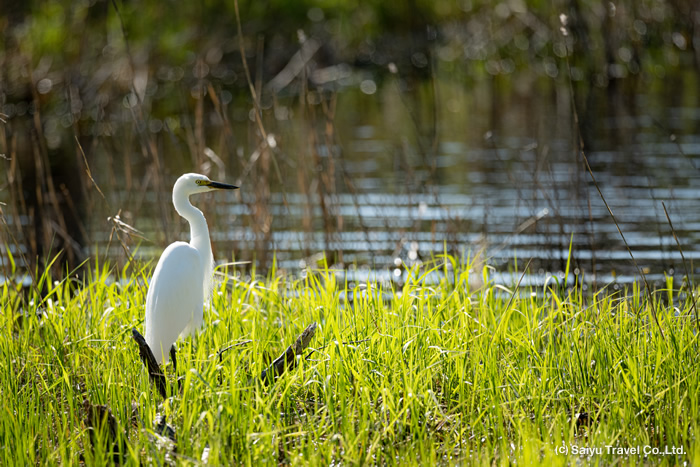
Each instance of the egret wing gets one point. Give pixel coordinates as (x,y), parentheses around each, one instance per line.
(175,298)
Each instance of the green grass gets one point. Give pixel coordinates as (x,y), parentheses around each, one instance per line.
(432,373)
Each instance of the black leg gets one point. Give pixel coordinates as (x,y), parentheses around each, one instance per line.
(172,357)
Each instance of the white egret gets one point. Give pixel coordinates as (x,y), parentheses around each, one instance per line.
(182,280)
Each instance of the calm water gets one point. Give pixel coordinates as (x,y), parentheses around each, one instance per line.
(482,170)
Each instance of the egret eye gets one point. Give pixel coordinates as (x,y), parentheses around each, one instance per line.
(199,182)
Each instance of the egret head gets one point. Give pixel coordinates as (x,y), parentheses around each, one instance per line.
(190,184)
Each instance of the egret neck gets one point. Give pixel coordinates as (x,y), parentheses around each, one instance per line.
(199,236)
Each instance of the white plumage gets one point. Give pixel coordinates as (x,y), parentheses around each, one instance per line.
(181,282)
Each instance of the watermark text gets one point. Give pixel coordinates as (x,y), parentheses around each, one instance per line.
(591,451)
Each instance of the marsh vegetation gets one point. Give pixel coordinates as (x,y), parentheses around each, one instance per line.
(439,374)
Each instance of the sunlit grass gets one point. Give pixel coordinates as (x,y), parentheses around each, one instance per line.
(424,372)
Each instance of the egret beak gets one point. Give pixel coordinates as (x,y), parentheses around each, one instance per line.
(221,186)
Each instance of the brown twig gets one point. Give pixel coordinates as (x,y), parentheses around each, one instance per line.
(87,169)
(287,361)
(150,363)
(100,417)
(237,344)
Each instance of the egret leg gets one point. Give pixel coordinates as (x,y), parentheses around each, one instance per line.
(172,357)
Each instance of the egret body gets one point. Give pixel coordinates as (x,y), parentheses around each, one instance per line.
(182,280)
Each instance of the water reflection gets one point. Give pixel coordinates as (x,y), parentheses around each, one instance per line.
(384,177)
(510,201)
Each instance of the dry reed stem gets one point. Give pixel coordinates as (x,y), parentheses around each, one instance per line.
(581,151)
(685,266)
